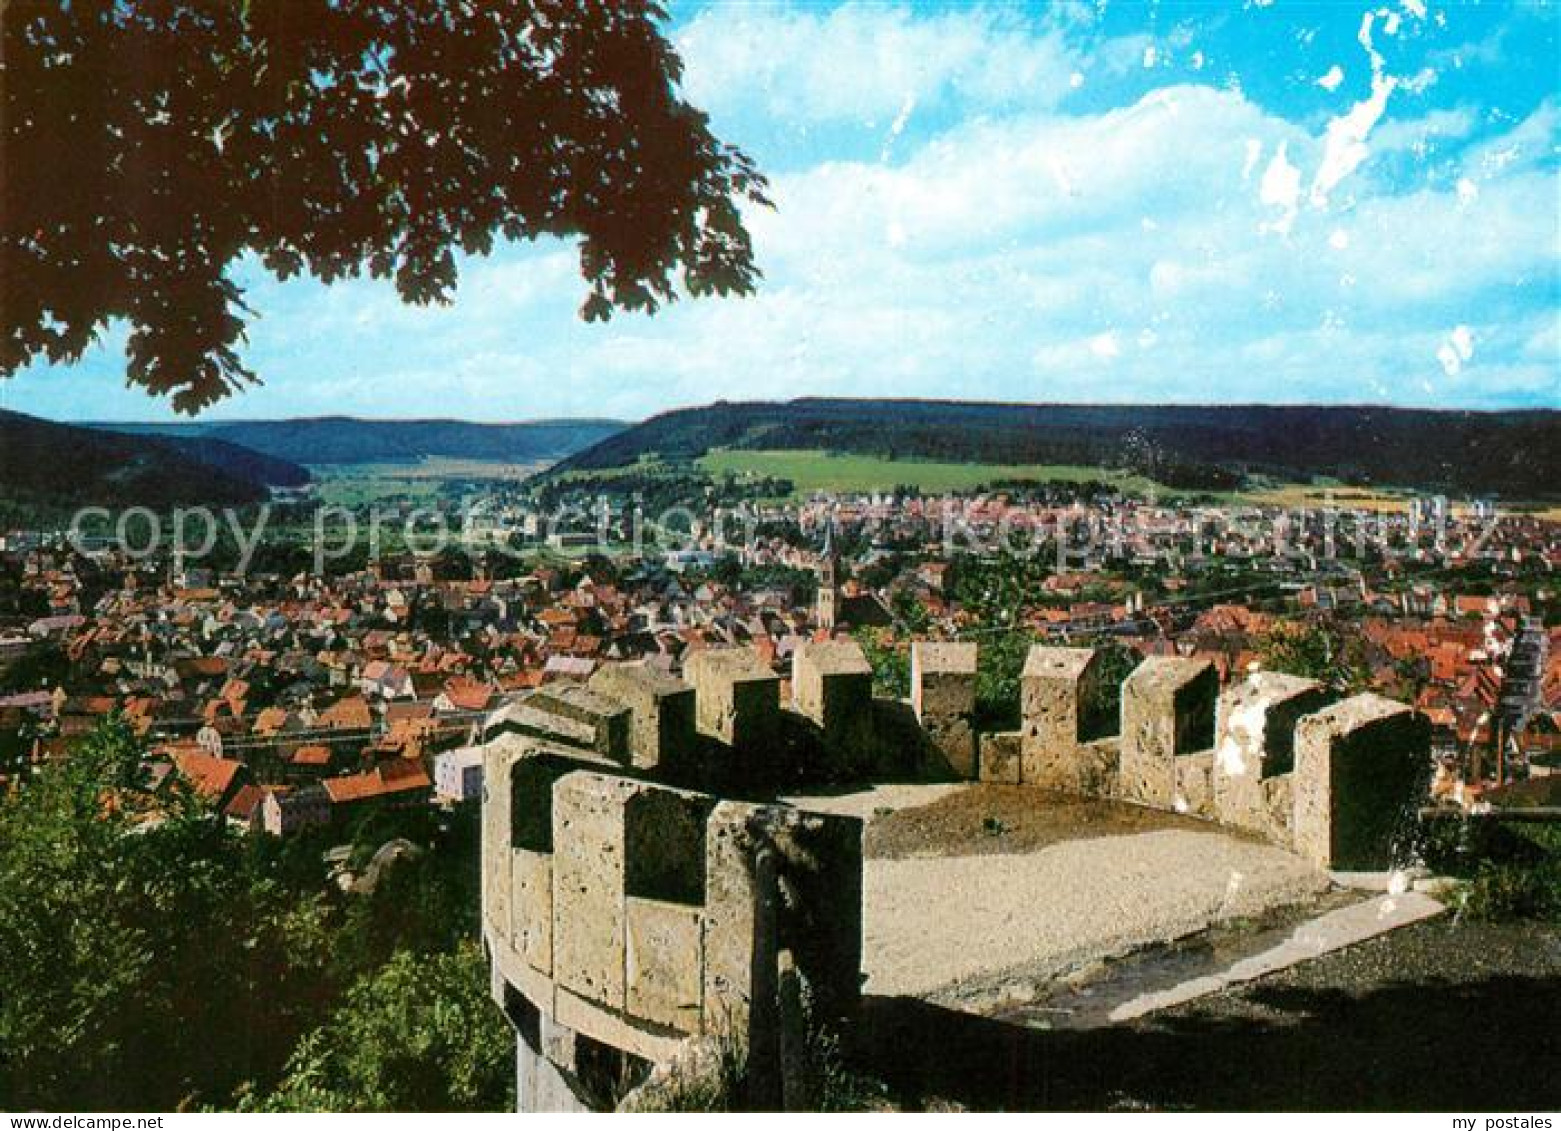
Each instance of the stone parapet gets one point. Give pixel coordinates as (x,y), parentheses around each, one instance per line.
(1167,713)
(641,886)
(661,713)
(1361,769)
(736,697)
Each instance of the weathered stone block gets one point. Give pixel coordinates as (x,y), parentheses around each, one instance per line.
(531,780)
(544,1066)
(832,684)
(588,884)
(1167,712)
(943,694)
(779,877)
(606,721)
(1195,785)
(1001,757)
(532,910)
(1050,690)
(736,696)
(732,914)
(661,709)
(819,914)
(665,838)
(1057,690)
(943,679)
(517,805)
(955,739)
(568,714)
(1279,809)
(559,1043)
(1097,766)
(498,760)
(615,1028)
(664,963)
(830,678)
(1255,743)
(1361,770)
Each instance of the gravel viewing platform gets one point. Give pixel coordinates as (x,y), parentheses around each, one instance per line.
(960,928)
(975,894)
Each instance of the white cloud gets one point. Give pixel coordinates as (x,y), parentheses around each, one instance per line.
(1332,79)
(1021,253)
(1456,350)
(1414,135)
(1530,144)
(1031,256)
(1281,188)
(861,62)
(1344,140)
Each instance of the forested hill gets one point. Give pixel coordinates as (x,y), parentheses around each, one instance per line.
(346,439)
(1512,454)
(61,464)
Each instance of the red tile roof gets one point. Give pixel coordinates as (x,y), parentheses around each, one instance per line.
(209,776)
(312,756)
(384,781)
(244,803)
(468,694)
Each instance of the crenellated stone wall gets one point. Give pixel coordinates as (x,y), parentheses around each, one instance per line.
(943,695)
(642,885)
(623,914)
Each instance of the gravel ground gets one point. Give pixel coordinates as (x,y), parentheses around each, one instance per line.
(969,929)
(1007,819)
(1440,1016)
(946,819)
(976,899)
(876,803)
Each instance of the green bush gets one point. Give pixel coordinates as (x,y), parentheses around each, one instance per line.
(1508,870)
(1514,891)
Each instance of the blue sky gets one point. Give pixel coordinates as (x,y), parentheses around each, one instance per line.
(1276,201)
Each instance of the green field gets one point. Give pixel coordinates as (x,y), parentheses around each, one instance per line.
(362,484)
(827,471)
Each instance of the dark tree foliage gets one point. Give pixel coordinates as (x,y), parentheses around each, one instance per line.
(1325,650)
(149,145)
(149,965)
(1192,447)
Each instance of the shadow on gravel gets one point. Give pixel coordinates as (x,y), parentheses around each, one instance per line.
(1426,1045)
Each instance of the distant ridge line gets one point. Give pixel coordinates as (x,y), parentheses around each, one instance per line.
(1515,453)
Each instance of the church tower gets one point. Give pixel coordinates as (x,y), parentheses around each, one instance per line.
(829,580)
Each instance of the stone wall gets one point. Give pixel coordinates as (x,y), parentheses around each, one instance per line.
(640,883)
(1254,750)
(649,914)
(832,686)
(736,699)
(1168,734)
(1354,763)
(943,695)
(1055,692)
(661,714)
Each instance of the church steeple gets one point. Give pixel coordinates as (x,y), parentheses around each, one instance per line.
(829,580)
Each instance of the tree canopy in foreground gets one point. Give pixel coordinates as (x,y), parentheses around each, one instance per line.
(149,145)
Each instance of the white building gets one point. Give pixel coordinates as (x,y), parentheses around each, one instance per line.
(458,774)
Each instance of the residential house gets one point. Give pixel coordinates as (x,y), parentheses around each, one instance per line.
(458,774)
